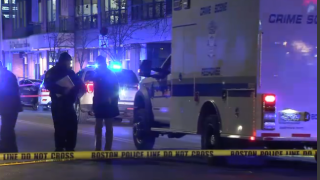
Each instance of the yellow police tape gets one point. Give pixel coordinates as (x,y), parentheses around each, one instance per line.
(32,162)
(150,154)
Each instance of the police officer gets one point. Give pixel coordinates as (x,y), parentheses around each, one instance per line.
(10,106)
(105,102)
(63,99)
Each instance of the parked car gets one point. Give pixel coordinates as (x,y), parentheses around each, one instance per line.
(29,89)
(44,98)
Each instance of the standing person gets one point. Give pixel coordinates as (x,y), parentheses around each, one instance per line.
(10,106)
(63,99)
(43,75)
(105,102)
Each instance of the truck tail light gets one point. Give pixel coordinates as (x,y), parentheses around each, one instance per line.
(269,112)
(270,98)
(89,87)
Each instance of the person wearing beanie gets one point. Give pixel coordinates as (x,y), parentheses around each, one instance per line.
(63,100)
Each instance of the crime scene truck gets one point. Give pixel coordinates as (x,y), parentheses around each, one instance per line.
(242,74)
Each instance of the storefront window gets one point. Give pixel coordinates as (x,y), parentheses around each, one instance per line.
(25,67)
(51,60)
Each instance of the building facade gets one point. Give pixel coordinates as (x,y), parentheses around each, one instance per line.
(37,31)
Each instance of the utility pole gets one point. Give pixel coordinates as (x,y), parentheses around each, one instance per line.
(1,26)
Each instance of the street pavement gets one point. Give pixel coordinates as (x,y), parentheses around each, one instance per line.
(35,134)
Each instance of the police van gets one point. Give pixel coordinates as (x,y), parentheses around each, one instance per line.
(243,73)
(128,82)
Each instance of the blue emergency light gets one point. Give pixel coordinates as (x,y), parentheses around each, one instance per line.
(93,66)
(115,66)
(112,66)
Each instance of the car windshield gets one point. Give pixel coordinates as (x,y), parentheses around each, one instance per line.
(127,77)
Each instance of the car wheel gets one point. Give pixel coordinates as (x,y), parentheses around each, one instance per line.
(142,135)
(211,139)
(81,116)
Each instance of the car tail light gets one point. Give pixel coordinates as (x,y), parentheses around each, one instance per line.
(44,90)
(89,87)
(269,112)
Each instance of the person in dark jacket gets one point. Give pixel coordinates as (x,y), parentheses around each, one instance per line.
(10,106)
(105,102)
(63,99)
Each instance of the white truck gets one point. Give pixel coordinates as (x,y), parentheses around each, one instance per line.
(243,73)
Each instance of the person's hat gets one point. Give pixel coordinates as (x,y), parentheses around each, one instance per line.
(65,57)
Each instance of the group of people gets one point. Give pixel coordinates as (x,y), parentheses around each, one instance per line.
(105,104)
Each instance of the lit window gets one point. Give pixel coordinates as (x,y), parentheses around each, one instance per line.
(6,1)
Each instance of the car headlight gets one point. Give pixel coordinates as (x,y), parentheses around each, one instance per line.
(123,92)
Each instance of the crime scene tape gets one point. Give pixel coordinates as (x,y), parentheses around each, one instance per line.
(32,162)
(150,154)
(33,96)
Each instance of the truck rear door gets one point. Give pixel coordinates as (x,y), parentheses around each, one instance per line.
(289,65)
